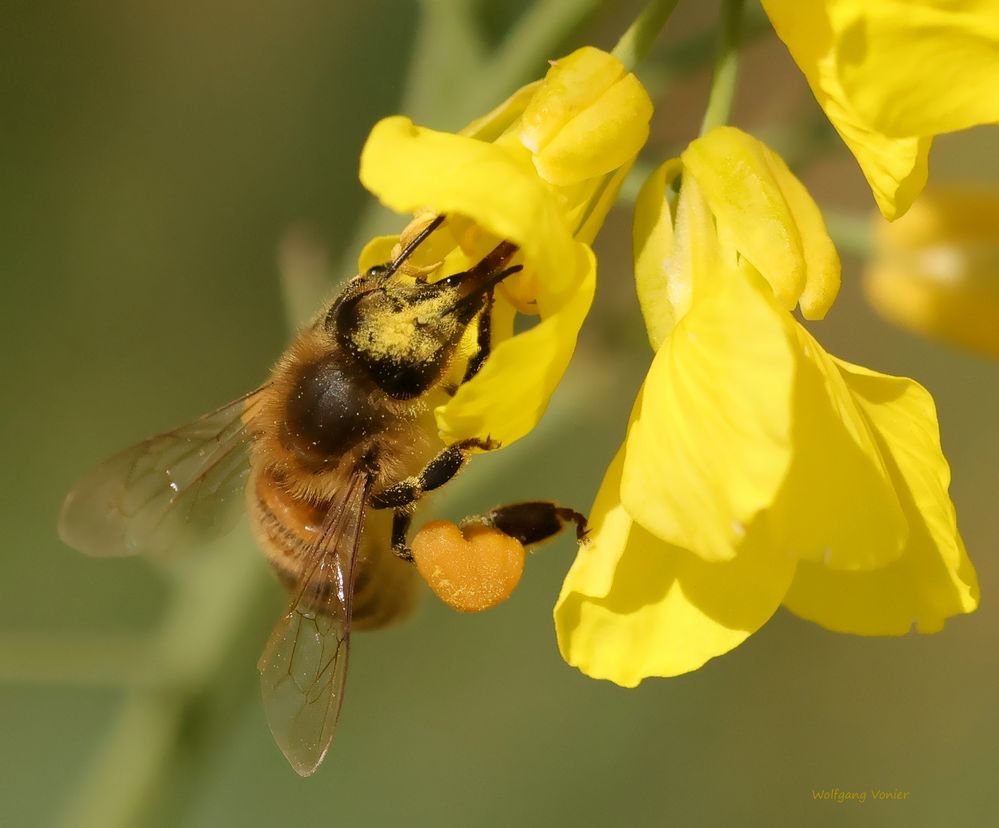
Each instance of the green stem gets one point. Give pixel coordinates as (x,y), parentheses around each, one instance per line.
(726,66)
(635,43)
(684,58)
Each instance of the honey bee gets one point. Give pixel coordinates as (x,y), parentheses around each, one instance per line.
(330,455)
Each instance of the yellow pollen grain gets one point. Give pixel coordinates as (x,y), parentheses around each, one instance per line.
(470,569)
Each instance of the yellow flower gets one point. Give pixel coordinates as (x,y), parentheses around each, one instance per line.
(891,74)
(936,270)
(758,470)
(540,171)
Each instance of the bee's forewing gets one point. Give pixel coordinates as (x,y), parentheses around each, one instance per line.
(304,665)
(166,492)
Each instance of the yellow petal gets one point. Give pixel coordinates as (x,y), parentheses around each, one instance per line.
(933,579)
(920,67)
(936,270)
(409,167)
(895,168)
(605,135)
(838,505)
(697,264)
(571,84)
(377,251)
(493,124)
(822,265)
(507,398)
(652,240)
(733,173)
(768,216)
(427,258)
(633,606)
(709,442)
(504,316)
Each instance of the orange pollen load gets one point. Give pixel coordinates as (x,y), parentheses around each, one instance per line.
(471,568)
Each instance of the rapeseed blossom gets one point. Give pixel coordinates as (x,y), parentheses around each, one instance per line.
(758,470)
(540,171)
(892,74)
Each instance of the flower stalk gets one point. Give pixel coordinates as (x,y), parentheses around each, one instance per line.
(726,69)
(637,41)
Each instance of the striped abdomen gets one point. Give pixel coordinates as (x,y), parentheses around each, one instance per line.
(285,526)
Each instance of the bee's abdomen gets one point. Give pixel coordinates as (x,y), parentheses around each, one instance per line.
(286,528)
(385,587)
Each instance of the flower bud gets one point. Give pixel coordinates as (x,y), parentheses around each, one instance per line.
(588,118)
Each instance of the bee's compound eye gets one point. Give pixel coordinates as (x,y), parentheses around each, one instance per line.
(451,281)
(469,569)
(378,271)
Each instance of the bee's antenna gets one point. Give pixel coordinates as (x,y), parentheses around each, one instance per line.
(409,248)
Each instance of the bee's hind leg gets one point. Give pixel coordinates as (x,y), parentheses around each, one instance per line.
(401,496)
(401,520)
(533,521)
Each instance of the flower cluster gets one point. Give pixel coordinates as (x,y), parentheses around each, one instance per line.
(758,470)
(540,171)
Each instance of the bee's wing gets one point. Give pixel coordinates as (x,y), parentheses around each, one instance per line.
(166,492)
(304,665)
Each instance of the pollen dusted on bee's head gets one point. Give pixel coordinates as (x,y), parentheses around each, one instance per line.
(470,568)
(402,331)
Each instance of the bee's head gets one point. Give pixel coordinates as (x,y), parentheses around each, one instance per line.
(404,334)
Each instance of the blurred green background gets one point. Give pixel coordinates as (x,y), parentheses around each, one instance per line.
(154,158)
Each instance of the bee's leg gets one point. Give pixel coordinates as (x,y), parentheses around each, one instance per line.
(532,522)
(483,343)
(400,529)
(483,340)
(434,475)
